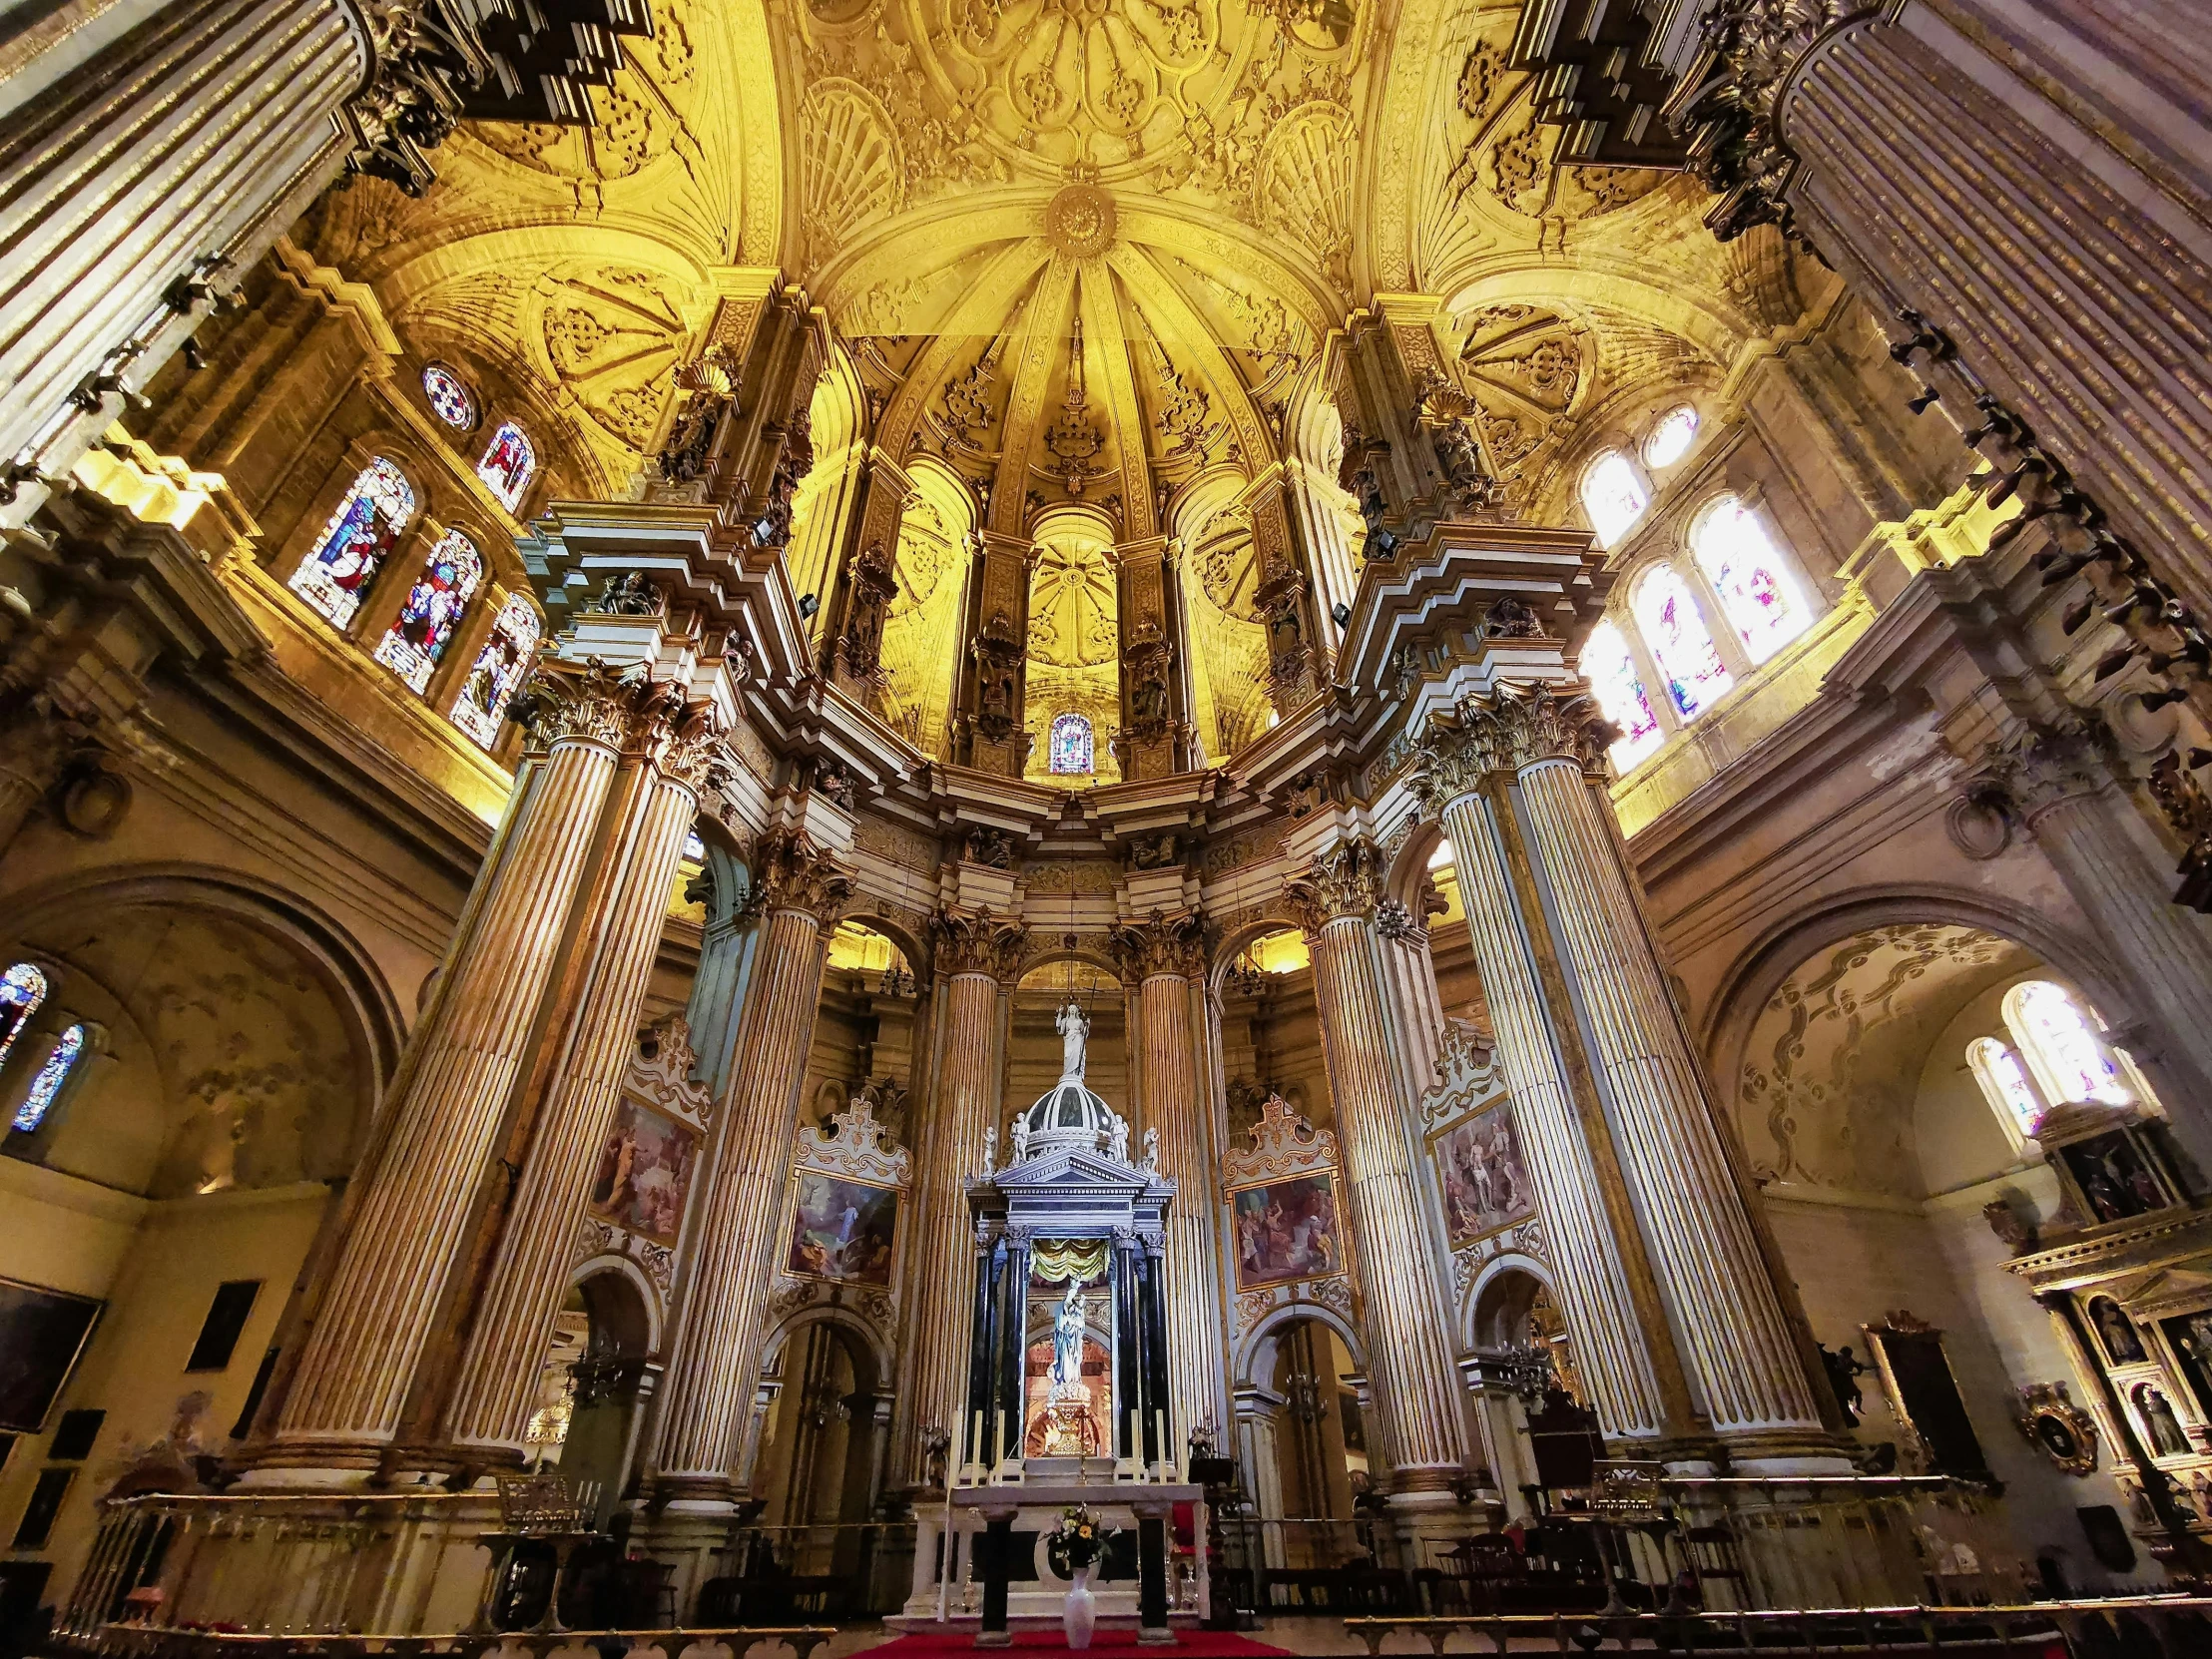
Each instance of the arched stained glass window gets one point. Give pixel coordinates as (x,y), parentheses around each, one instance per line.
(22,988)
(412,646)
(356,542)
(1675,631)
(2068,1056)
(449,398)
(1611,671)
(497,673)
(1071,745)
(1613,496)
(508,465)
(51,1076)
(1669,439)
(1756,587)
(2005,1083)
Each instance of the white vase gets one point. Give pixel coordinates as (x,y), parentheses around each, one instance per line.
(1081,1611)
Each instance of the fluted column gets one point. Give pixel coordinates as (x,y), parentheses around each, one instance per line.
(1163,956)
(974,956)
(713,1369)
(1730,1324)
(1415,1388)
(1604,1282)
(498,1383)
(408,1228)
(202,132)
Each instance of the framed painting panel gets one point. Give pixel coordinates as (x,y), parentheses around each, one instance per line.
(1484,1175)
(842,1229)
(1287,1229)
(43,1333)
(645,1173)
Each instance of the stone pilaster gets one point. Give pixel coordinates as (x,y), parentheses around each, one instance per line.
(674,747)
(406,1230)
(1163,956)
(1421,1429)
(974,957)
(1735,1338)
(800,892)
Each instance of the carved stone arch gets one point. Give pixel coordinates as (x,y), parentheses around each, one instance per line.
(1089,953)
(1408,872)
(616,1290)
(1253,1364)
(1724,1027)
(912,942)
(1235,937)
(871,1349)
(1473,1313)
(1688,311)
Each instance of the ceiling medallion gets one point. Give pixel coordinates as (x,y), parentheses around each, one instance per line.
(1080,221)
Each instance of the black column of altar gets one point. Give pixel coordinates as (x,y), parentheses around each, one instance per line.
(1013,1352)
(1129,1400)
(1152,1314)
(982,1331)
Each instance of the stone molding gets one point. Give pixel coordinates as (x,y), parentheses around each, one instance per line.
(1160,944)
(1343,883)
(790,872)
(979,944)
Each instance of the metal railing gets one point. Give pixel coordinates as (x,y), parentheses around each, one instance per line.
(136,1641)
(2139,1627)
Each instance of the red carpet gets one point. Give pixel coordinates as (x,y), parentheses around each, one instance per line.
(1106,1644)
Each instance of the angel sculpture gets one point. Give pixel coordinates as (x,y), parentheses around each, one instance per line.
(1022,1139)
(990,1150)
(1152,1152)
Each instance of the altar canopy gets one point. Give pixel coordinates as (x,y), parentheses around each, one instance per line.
(1068,1350)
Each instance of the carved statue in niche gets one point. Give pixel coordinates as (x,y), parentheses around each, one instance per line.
(683,457)
(1356,477)
(874,586)
(832,781)
(1154,851)
(998,654)
(795,458)
(992,848)
(1148,702)
(628,593)
(1509,619)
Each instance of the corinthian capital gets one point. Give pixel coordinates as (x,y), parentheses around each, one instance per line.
(790,872)
(682,738)
(576,702)
(1514,727)
(979,943)
(1160,944)
(1347,881)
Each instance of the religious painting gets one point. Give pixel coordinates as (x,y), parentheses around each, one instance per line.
(2191,1335)
(645,1173)
(843,1228)
(1484,1175)
(1287,1229)
(2114,1177)
(42,1333)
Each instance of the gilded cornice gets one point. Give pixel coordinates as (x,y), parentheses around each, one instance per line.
(1515,727)
(1160,944)
(1343,883)
(790,872)
(979,943)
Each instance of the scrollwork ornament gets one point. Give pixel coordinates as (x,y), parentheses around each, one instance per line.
(979,943)
(1160,944)
(571,703)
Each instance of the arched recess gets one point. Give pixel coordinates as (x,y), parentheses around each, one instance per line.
(1226,636)
(725,956)
(1302,1434)
(1724,1027)
(820,1450)
(822,506)
(346,971)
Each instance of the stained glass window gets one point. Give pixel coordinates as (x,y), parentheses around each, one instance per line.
(51,1076)
(1613,496)
(2068,1058)
(1669,440)
(22,989)
(1676,634)
(2004,1082)
(1071,744)
(1756,588)
(1611,671)
(508,465)
(450,399)
(695,847)
(356,541)
(412,646)
(497,673)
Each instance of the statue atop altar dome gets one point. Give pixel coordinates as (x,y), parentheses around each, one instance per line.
(1075,1027)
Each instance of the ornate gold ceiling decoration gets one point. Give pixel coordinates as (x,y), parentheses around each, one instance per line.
(1080,221)
(1072,606)
(1523,367)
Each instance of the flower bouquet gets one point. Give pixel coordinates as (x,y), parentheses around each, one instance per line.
(1079,1540)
